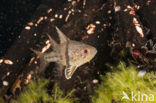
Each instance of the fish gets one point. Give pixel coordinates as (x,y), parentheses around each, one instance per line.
(69,53)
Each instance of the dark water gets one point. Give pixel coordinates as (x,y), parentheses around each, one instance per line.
(14,14)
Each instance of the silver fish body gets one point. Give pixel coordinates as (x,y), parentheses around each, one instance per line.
(69,53)
(80,53)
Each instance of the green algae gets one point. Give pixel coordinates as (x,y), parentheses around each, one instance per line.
(125,79)
(36,92)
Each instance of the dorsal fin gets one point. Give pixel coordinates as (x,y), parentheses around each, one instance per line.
(52,42)
(62,36)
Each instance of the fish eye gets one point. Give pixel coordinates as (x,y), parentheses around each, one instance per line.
(85,51)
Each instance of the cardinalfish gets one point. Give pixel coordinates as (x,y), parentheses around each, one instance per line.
(69,53)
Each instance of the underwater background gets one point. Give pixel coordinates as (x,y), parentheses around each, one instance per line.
(122,31)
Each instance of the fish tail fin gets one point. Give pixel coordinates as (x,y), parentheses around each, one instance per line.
(43,63)
(37,52)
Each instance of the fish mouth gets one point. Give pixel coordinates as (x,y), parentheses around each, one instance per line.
(93,55)
(94,52)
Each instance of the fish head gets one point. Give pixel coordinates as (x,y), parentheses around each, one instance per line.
(81,53)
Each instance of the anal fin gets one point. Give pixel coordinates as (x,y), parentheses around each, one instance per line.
(43,65)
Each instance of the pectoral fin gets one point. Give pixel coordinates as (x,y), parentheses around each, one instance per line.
(70,71)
